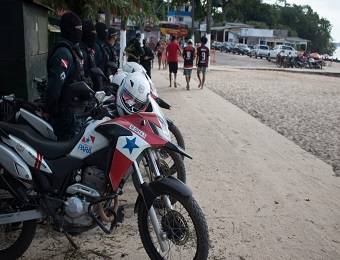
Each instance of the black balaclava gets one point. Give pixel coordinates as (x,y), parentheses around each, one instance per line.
(101,29)
(89,37)
(68,23)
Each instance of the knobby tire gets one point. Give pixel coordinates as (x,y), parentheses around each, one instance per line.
(8,204)
(187,237)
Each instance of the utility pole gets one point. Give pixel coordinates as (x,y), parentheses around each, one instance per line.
(208,27)
(193,22)
(107,14)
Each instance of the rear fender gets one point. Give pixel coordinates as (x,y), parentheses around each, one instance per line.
(169,185)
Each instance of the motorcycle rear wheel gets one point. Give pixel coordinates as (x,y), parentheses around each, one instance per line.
(15,238)
(184,229)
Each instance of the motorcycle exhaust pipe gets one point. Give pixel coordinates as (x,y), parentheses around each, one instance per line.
(102,214)
(9,218)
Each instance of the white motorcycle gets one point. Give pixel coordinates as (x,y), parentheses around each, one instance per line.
(35,184)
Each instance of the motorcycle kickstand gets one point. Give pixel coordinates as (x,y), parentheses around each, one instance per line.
(71,240)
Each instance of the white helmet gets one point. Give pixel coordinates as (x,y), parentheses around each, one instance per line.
(133,94)
(131,67)
(118,77)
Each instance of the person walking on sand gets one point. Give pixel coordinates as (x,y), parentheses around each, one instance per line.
(202,61)
(172,51)
(189,54)
(158,50)
(164,61)
(152,46)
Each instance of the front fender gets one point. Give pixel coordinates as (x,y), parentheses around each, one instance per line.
(168,185)
(177,148)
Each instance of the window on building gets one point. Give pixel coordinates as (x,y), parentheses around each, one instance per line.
(180,19)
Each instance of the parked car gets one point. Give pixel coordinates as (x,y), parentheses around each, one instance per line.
(216,45)
(259,51)
(241,48)
(283,50)
(227,47)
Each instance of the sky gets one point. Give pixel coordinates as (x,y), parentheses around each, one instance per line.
(328,9)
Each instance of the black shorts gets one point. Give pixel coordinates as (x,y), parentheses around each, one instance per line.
(173,67)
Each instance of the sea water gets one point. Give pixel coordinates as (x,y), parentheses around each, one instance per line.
(336,54)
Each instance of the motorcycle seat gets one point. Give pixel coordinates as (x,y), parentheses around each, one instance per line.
(48,148)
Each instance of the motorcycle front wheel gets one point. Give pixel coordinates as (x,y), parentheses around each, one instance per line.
(176,135)
(170,163)
(184,229)
(15,238)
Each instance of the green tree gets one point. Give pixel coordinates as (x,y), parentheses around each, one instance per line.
(89,9)
(300,21)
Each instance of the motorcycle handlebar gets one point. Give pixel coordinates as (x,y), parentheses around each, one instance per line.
(96,113)
(84,115)
(8,98)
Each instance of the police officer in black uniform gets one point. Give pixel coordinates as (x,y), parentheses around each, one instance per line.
(146,59)
(135,48)
(88,40)
(109,45)
(64,67)
(100,53)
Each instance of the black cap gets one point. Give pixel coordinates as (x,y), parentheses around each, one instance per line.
(111,32)
(138,35)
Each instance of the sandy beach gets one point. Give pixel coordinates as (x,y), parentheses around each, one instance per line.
(303,108)
(265,145)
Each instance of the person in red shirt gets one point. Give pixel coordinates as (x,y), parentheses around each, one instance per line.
(202,61)
(189,54)
(172,51)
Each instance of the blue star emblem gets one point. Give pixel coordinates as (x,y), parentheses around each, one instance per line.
(131,144)
(87,140)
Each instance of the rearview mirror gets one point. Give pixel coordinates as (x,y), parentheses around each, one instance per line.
(80,87)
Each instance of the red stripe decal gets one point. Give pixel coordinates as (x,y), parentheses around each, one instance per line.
(38,160)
